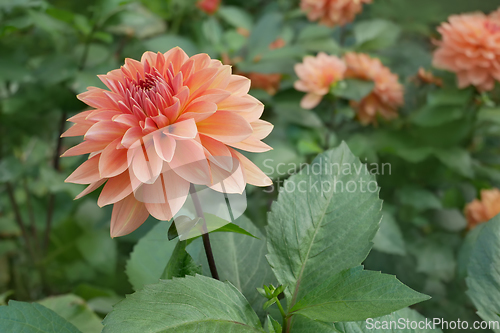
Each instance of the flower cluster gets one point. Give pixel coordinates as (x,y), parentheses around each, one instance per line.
(318,74)
(332,12)
(470,47)
(165,123)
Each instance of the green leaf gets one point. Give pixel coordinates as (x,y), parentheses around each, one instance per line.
(430,116)
(383,324)
(489,115)
(317,38)
(355,294)
(150,257)
(241,260)
(389,238)
(76,311)
(376,34)
(236,17)
(450,96)
(99,250)
(313,233)
(353,89)
(272,325)
(184,305)
(435,258)
(32,318)
(457,159)
(483,276)
(466,249)
(269,303)
(211,220)
(212,30)
(265,31)
(418,198)
(164,43)
(180,263)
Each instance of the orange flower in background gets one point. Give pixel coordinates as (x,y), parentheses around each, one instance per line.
(387,94)
(479,211)
(428,78)
(316,76)
(166,122)
(470,47)
(208,6)
(332,12)
(268,82)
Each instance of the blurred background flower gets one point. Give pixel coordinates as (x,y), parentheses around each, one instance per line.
(332,12)
(470,47)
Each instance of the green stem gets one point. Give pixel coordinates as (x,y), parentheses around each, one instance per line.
(204,236)
(283,314)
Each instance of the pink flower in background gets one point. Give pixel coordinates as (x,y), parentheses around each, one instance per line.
(470,47)
(316,76)
(166,122)
(387,94)
(332,12)
(208,6)
(479,211)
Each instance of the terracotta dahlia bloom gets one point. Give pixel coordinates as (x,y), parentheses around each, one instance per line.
(479,211)
(387,94)
(332,12)
(316,76)
(166,122)
(470,47)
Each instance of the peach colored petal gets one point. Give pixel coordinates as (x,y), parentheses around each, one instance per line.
(116,189)
(164,146)
(226,127)
(253,175)
(92,187)
(193,167)
(113,160)
(86,173)
(310,101)
(128,215)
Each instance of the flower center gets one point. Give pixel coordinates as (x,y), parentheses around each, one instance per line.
(147,83)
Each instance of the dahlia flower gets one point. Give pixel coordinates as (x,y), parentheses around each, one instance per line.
(479,211)
(332,12)
(208,6)
(316,76)
(470,47)
(387,94)
(165,123)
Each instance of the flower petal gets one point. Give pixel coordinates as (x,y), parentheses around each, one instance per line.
(226,127)
(128,215)
(86,173)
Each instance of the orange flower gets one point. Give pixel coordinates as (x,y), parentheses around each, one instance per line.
(277,44)
(208,6)
(470,47)
(316,76)
(479,211)
(166,122)
(427,77)
(332,12)
(267,82)
(385,97)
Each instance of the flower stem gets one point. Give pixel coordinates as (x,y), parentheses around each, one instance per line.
(205,237)
(283,314)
